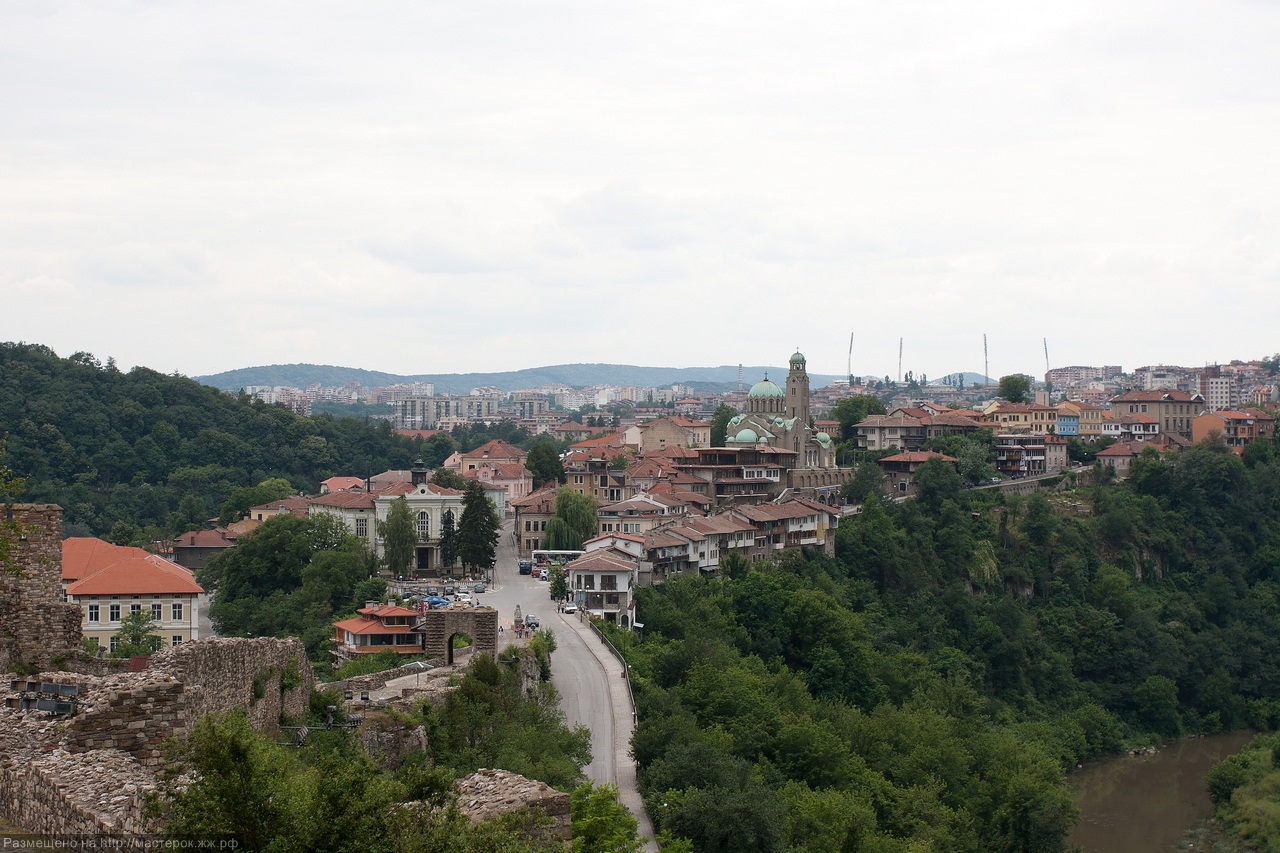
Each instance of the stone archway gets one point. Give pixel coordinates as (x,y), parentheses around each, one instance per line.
(479,623)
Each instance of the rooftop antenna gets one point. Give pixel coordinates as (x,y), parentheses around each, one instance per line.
(986,362)
(899,361)
(851,359)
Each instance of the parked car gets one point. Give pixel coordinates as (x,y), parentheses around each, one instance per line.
(449,590)
(433,590)
(570,607)
(478,588)
(532,621)
(464,597)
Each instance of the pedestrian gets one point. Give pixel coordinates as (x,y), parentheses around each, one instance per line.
(499,630)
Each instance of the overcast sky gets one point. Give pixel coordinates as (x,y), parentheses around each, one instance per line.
(428,187)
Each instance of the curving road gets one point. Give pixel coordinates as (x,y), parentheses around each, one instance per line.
(593,692)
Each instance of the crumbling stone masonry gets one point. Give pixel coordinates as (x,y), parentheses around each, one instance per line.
(36,626)
(488,794)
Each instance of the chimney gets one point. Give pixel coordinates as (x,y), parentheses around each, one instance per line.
(372,605)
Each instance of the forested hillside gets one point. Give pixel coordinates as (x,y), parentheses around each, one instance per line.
(925,689)
(143,449)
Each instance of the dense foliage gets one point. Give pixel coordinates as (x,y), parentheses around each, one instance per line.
(291,578)
(924,688)
(1246,793)
(113,447)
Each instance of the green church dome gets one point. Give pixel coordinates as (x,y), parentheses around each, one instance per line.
(745,436)
(765,388)
(797,358)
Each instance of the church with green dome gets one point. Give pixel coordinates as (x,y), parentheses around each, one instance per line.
(778,418)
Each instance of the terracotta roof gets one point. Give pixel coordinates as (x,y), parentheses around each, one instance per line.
(345,500)
(132,574)
(495,449)
(602,560)
(419,433)
(878,421)
(917,456)
(342,484)
(294,505)
(1122,449)
(1138,419)
(385,610)
(539,500)
(614,439)
(191,539)
(365,625)
(85,555)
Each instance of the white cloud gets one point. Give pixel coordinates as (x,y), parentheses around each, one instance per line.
(447,187)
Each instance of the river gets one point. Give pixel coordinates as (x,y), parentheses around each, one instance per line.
(1144,804)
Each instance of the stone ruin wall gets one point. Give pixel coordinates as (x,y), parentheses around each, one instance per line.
(488,794)
(223,674)
(36,626)
(89,772)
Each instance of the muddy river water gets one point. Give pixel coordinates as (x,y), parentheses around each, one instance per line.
(1144,804)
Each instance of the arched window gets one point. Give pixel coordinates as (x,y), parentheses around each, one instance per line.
(424,525)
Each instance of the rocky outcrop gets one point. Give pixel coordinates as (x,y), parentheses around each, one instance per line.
(487,794)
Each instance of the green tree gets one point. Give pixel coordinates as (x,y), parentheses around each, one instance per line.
(138,635)
(559,583)
(719,424)
(867,480)
(600,823)
(436,449)
(449,479)
(1015,388)
(936,481)
(478,529)
(852,410)
(578,512)
(448,539)
(544,462)
(399,537)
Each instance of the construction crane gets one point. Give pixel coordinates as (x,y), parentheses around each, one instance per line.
(986,362)
(899,361)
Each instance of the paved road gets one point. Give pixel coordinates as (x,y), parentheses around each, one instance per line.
(592,690)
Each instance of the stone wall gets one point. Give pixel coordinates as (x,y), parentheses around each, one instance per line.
(265,676)
(36,625)
(53,792)
(131,714)
(479,623)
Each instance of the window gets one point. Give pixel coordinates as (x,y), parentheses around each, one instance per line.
(115,643)
(134,608)
(608,581)
(93,613)
(175,612)
(157,611)
(588,581)
(176,640)
(424,525)
(362,528)
(114,613)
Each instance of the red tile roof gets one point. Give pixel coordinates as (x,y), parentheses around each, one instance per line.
(917,456)
(100,568)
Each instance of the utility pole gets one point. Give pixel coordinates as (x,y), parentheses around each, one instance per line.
(899,361)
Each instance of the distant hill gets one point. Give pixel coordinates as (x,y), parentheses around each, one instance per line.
(720,378)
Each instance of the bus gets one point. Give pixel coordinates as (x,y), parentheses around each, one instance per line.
(544,558)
